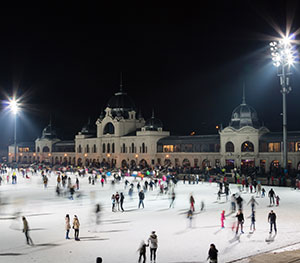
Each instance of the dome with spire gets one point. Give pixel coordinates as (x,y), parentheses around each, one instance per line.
(49,132)
(120,103)
(153,124)
(244,115)
(88,128)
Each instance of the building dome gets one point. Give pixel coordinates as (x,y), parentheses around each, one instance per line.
(153,124)
(88,128)
(121,104)
(48,132)
(244,115)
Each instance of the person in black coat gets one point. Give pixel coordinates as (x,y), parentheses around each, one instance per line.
(213,254)
(271,195)
(141,198)
(272,221)
(240,222)
(122,197)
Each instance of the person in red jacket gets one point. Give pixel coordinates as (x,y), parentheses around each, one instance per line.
(222,218)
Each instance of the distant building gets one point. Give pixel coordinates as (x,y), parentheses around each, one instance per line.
(122,138)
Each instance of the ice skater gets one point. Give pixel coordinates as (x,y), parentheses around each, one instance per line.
(76,226)
(271,195)
(192,202)
(240,221)
(142,250)
(252,202)
(141,198)
(122,197)
(277,200)
(68,226)
(212,254)
(272,221)
(152,240)
(252,221)
(190,217)
(222,218)
(233,203)
(172,199)
(26,231)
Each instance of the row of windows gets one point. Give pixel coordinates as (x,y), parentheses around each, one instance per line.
(264,147)
(133,148)
(189,147)
(110,148)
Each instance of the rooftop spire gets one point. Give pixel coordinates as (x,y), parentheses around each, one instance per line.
(121,82)
(244,96)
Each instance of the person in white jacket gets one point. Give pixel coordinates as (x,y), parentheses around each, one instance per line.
(153,242)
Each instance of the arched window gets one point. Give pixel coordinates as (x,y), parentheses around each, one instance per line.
(94,148)
(79,148)
(103,148)
(123,148)
(132,148)
(46,149)
(109,129)
(108,147)
(143,148)
(247,147)
(229,147)
(38,149)
(113,148)
(87,148)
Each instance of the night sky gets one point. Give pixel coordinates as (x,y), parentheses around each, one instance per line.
(187,63)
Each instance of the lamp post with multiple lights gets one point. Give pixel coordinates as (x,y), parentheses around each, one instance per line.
(283,56)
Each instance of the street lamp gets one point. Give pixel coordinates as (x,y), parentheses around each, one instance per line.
(14,107)
(283,56)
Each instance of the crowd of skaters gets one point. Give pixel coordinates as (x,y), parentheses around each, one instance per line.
(165,186)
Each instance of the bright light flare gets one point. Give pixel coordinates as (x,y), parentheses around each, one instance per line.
(13,106)
(283,52)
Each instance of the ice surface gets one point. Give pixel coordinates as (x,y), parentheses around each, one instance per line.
(118,236)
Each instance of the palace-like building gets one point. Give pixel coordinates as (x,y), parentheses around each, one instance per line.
(122,138)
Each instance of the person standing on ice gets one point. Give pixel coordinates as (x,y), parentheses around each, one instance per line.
(272,221)
(141,198)
(77,183)
(26,230)
(252,202)
(117,197)
(192,202)
(76,226)
(240,221)
(271,195)
(252,221)
(142,250)
(68,226)
(122,197)
(222,218)
(113,202)
(152,240)
(277,200)
(233,203)
(172,199)
(212,254)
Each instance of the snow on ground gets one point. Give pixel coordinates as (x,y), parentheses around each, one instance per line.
(118,236)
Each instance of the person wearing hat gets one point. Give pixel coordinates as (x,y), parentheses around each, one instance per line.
(213,254)
(153,246)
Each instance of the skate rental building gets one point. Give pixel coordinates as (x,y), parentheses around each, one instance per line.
(122,138)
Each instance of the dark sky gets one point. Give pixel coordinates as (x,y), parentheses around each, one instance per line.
(187,63)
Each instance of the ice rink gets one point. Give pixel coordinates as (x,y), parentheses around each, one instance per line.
(118,236)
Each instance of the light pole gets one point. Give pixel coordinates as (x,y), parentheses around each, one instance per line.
(283,56)
(14,108)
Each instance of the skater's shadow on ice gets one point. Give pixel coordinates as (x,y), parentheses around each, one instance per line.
(113,231)
(270,238)
(93,239)
(10,254)
(47,245)
(229,213)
